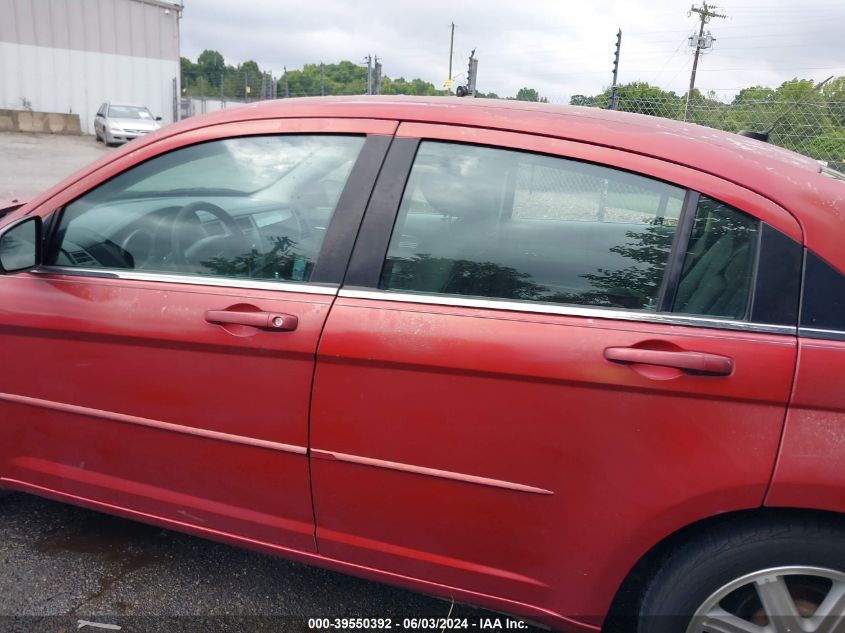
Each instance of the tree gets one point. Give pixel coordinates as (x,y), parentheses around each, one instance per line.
(250,75)
(642,97)
(527,94)
(582,100)
(211,66)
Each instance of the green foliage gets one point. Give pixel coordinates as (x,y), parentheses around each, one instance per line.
(527,94)
(583,100)
(809,122)
(815,126)
(211,66)
(203,79)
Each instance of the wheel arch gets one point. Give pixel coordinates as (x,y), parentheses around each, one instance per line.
(621,617)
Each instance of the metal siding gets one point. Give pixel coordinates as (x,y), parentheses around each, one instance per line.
(72,55)
(59,24)
(121,27)
(108,25)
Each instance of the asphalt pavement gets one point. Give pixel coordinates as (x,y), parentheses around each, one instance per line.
(32,163)
(61,565)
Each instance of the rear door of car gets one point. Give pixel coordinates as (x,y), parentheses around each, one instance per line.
(162,364)
(545,357)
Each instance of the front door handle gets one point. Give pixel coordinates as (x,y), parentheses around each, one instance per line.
(264,320)
(696,362)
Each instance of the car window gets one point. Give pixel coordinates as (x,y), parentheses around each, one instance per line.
(485,222)
(255,207)
(823,297)
(129,112)
(719,263)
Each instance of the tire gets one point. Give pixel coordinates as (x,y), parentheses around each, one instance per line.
(774,572)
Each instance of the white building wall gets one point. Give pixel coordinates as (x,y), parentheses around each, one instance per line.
(78,82)
(72,55)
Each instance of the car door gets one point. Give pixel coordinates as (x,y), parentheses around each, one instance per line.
(547,356)
(160,363)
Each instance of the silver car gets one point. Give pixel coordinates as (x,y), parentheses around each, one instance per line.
(117,123)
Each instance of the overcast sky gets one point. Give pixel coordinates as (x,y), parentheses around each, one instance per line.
(559,47)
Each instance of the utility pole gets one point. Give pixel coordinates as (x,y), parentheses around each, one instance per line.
(613,98)
(451,50)
(322,83)
(369,74)
(287,91)
(246,87)
(705,12)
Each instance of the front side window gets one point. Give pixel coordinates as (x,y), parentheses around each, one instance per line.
(485,222)
(253,207)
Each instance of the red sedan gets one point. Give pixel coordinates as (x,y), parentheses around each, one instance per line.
(569,364)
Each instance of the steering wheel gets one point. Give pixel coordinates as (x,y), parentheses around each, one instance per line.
(181,246)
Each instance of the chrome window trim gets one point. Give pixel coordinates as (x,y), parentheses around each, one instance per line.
(820,333)
(193,280)
(564,310)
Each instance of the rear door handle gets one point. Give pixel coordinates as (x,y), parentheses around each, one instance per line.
(697,362)
(264,320)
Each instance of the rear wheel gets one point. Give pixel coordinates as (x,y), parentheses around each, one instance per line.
(779,576)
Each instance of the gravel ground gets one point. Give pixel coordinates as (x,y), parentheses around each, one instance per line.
(31,163)
(61,564)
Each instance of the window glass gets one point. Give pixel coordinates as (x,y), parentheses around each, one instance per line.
(497,223)
(823,301)
(719,262)
(255,207)
(129,112)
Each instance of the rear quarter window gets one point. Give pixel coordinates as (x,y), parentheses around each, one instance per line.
(823,300)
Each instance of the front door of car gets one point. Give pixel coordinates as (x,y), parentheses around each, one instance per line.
(544,359)
(163,357)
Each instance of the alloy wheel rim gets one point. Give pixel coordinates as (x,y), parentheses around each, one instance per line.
(788,599)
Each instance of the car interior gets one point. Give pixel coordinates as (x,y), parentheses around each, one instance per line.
(509,225)
(173,215)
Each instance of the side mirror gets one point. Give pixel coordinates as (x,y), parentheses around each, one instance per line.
(20,245)
(99,114)
(158,118)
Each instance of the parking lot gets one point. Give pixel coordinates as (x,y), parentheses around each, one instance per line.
(30,163)
(61,565)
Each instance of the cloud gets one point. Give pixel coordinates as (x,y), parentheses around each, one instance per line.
(560,48)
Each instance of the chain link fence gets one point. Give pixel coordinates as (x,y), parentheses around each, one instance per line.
(813,127)
(232,88)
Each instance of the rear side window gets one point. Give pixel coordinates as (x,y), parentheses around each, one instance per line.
(485,222)
(492,223)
